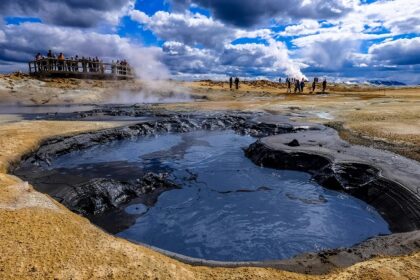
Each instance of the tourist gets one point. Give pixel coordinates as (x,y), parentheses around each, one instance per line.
(237,83)
(302,84)
(314,85)
(297,85)
(76,63)
(96,64)
(38,58)
(101,67)
(289,85)
(49,63)
(324,85)
(61,59)
(118,67)
(84,67)
(90,65)
(230,82)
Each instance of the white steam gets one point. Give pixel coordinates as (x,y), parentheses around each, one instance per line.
(146,62)
(153,92)
(280,52)
(154,76)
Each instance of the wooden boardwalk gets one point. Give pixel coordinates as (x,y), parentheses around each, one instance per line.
(82,69)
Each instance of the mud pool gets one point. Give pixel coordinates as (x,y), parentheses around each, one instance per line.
(228,209)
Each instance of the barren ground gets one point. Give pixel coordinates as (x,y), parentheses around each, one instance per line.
(40,239)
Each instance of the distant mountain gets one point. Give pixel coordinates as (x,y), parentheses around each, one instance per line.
(386,83)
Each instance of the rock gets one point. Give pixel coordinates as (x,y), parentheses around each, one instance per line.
(99,195)
(293,143)
(241,123)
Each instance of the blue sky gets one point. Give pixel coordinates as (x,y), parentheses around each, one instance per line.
(197,39)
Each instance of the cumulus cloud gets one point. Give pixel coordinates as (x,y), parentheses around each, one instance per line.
(246,13)
(191,29)
(77,13)
(399,16)
(241,60)
(397,52)
(305,27)
(198,44)
(182,58)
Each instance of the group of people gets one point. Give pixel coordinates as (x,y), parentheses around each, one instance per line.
(236,81)
(299,85)
(54,62)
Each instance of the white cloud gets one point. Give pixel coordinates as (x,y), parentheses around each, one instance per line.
(139,17)
(196,43)
(305,27)
(191,29)
(397,52)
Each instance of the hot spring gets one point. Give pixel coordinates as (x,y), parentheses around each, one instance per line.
(228,208)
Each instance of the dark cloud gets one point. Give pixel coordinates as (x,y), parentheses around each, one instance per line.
(246,13)
(76,13)
(21,42)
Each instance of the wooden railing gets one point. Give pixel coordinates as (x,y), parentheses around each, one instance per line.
(82,68)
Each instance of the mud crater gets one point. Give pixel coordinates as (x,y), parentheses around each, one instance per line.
(364,179)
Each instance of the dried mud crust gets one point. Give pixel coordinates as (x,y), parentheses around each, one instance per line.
(405,149)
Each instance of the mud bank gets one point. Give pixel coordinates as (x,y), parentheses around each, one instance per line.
(386,181)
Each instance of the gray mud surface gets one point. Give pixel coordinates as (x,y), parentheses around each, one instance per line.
(386,181)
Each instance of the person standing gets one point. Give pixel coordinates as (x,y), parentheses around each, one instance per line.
(324,85)
(37,64)
(50,60)
(61,60)
(230,82)
(297,85)
(237,83)
(289,85)
(76,63)
(313,85)
(302,84)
